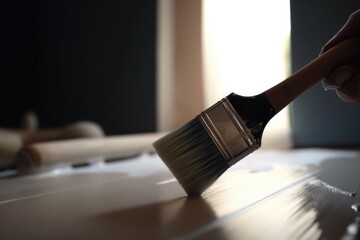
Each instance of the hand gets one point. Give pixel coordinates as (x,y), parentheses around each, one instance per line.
(346,78)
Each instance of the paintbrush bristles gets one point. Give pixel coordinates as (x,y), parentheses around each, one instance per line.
(191,155)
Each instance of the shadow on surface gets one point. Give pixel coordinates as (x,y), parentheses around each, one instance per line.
(169,219)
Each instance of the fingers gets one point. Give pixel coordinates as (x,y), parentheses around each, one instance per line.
(351,28)
(350,90)
(346,81)
(339,77)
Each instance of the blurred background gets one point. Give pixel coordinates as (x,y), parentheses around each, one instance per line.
(79,60)
(145,66)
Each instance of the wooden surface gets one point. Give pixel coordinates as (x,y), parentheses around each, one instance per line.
(297,194)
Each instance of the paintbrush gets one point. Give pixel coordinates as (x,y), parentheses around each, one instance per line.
(200,151)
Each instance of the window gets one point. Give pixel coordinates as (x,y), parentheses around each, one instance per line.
(246,51)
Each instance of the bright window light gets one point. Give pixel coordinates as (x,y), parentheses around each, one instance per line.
(246,51)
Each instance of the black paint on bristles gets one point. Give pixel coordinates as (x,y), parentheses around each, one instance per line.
(193,158)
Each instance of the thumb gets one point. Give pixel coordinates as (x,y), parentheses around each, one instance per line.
(351,28)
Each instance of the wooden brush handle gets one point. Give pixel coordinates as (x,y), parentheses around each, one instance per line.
(80,150)
(286,91)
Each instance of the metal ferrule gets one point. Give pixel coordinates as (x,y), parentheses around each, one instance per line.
(228,131)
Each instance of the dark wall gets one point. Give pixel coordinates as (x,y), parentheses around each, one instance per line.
(313,23)
(71,60)
(318,117)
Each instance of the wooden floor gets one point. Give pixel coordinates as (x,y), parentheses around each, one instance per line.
(295,194)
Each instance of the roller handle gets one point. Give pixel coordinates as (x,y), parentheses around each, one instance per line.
(76,130)
(80,150)
(12,140)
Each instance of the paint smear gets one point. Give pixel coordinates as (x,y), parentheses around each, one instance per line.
(166,181)
(320,183)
